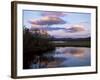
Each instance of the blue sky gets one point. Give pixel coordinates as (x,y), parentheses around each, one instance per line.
(77,25)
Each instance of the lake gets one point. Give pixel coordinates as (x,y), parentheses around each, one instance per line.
(63,57)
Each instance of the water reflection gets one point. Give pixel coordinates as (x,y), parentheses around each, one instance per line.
(63,57)
(76,52)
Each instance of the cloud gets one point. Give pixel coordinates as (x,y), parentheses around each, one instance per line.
(35,26)
(63,34)
(76,28)
(47,20)
(51,13)
(69,28)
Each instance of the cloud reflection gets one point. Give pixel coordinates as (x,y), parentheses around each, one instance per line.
(75,52)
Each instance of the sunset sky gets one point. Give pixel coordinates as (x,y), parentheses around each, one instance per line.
(59,24)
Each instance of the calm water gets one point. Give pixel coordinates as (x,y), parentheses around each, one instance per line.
(63,57)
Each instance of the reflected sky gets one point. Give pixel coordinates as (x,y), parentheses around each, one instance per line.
(65,57)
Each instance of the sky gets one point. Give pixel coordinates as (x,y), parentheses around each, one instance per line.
(59,24)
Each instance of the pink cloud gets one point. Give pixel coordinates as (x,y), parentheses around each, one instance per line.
(76,28)
(63,34)
(58,14)
(47,20)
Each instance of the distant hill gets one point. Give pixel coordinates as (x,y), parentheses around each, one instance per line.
(69,39)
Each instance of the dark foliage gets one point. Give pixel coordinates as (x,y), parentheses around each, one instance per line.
(34,45)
